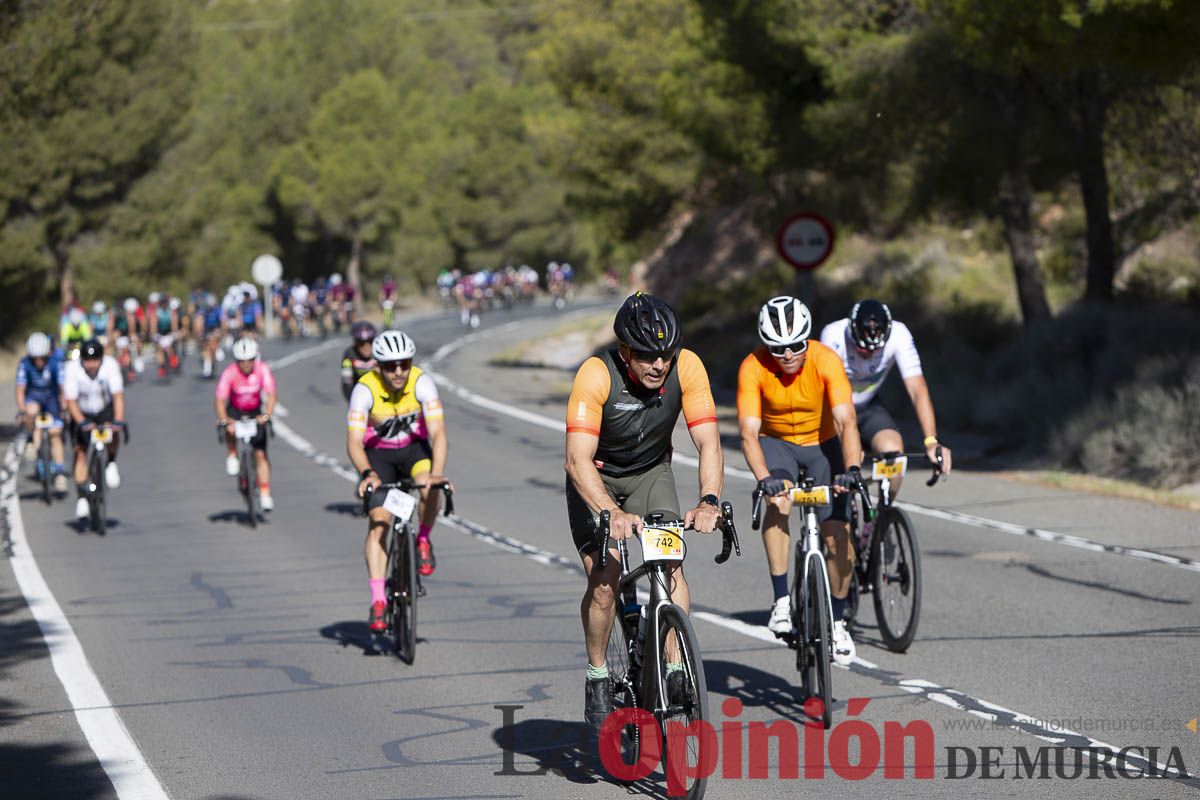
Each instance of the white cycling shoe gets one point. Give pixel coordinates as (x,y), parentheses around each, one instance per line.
(81,508)
(112,476)
(231,466)
(268,502)
(780,623)
(843,645)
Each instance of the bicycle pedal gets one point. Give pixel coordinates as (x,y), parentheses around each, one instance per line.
(420,590)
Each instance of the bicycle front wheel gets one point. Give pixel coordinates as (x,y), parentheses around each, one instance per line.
(97,499)
(404,597)
(46,465)
(687,698)
(896,579)
(623,678)
(250,473)
(814,648)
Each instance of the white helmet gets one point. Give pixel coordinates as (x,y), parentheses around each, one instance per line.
(247,286)
(393,346)
(335,279)
(76,316)
(784,321)
(154,298)
(38,345)
(174,304)
(245,349)
(99,308)
(131,304)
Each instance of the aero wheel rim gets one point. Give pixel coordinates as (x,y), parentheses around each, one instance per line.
(896,580)
(691,708)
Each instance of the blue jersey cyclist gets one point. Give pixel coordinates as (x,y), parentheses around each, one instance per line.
(39,385)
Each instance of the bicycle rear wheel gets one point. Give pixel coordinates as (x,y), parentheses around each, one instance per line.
(675,631)
(404,596)
(896,579)
(623,678)
(814,645)
(46,466)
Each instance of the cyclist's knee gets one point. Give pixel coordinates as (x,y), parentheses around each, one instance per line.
(887,440)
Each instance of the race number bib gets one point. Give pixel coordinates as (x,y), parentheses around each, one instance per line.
(882,469)
(102,435)
(817,496)
(45,421)
(399,503)
(662,544)
(245,428)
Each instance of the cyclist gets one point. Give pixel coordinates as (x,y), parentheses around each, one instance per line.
(793,402)
(247,389)
(395,428)
(129,325)
(623,407)
(357,359)
(870,343)
(101,321)
(250,312)
(209,315)
(319,304)
(75,330)
(39,385)
(164,323)
(95,395)
(387,299)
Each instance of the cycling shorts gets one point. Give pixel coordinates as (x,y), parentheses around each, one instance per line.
(872,419)
(83,438)
(649,492)
(394,465)
(47,402)
(820,461)
(259,442)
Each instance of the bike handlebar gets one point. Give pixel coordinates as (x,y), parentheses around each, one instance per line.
(729,537)
(123,426)
(222,425)
(758,495)
(407,485)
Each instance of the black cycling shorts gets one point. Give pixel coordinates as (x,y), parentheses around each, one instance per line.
(872,419)
(83,438)
(821,462)
(395,464)
(259,442)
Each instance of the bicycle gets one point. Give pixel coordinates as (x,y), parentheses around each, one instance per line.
(99,439)
(887,561)
(244,433)
(662,631)
(812,604)
(44,423)
(403,582)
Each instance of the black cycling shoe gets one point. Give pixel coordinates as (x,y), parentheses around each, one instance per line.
(597,701)
(677,688)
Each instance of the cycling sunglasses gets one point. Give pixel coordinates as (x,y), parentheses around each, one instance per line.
(797,349)
(650,356)
(393,366)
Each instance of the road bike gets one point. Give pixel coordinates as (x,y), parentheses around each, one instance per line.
(44,424)
(887,560)
(96,490)
(402,584)
(648,643)
(244,433)
(811,600)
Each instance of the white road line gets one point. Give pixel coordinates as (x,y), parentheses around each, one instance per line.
(106,733)
(733,472)
(300,355)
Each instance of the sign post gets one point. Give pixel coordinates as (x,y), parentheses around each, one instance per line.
(805,240)
(266,271)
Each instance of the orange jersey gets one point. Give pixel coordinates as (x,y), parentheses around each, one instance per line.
(795,408)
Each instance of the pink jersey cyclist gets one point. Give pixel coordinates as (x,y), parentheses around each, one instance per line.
(244,392)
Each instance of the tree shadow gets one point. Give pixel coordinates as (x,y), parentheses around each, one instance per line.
(51,771)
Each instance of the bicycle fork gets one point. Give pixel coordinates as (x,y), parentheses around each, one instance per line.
(813,560)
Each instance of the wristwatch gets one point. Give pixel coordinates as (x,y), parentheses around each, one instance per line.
(711,499)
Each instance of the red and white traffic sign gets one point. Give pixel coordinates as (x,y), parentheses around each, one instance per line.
(805,240)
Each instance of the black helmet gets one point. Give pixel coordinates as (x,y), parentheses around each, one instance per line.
(91,349)
(870,324)
(362,331)
(648,325)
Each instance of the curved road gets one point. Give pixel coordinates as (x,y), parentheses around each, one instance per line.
(240,663)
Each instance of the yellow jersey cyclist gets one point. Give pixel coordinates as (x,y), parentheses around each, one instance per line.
(623,407)
(395,428)
(793,402)
(870,343)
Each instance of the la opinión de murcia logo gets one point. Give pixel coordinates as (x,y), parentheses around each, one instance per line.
(737,749)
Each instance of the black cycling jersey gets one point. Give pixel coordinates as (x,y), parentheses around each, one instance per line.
(635,433)
(353,368)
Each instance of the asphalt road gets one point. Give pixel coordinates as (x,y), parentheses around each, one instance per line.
(241,665)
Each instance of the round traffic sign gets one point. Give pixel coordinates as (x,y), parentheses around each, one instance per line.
(805,240)
(266,270)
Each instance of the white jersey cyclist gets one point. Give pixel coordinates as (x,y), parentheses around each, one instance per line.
(868,371)
(94,395)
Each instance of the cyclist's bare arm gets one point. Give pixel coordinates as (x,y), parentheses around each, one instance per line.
(918,392)
(439,443)
(358,457)
(846,423)
(707,439)
(118,400)
(269,404)
(581,469)
(750,428)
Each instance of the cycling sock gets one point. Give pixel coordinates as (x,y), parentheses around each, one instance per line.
(264,487)
(60,468)
(779,584)
(376,590)
(423,532)
(597,673)
(674,666)
(838,607)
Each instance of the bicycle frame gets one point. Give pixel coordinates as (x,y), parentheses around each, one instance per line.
(808,551)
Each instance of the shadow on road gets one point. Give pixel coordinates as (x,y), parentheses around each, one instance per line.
(759,689)
(348,509)
(20,640)
(354,634)
(240,517)
(82,526)
(51,771)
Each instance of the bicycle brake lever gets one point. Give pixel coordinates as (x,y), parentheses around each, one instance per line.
(449,493)
(756,512)
(729,537)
